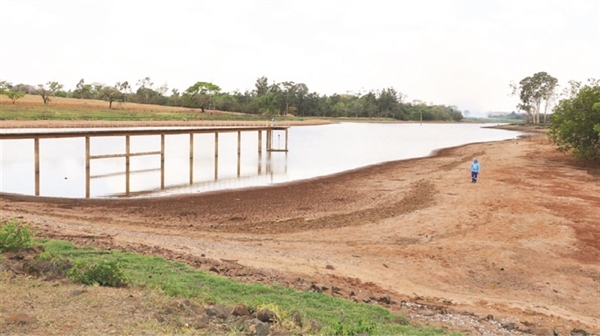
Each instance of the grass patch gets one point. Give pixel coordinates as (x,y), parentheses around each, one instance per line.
(180,280)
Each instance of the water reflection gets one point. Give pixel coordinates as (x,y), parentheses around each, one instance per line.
(314,151)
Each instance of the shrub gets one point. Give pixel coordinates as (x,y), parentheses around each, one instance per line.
(104,273)
(576,121)
(14,236)
(363,326)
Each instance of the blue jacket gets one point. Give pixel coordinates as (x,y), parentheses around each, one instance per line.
(475,166)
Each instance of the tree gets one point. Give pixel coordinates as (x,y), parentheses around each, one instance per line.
(48,90)
(82,90)
(163,89)
(14,95)
(268,104)
(576,121)
(302,101)
(5,87)
(261,87)
(111,94)
(533,91)
(145,94)
(125,89)
(288,95)
(201,94)
(145,83)
(388,101)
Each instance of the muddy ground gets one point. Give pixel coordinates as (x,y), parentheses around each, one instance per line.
(521,246)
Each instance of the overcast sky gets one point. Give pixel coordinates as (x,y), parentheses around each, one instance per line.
(461,53)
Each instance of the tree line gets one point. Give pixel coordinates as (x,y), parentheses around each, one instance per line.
(268,98)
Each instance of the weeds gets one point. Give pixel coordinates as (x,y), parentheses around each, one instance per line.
(363,326)
(104,273)
(14,236)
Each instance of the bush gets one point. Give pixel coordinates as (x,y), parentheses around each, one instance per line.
(576,121)
(105,273)
(362,327)
(14,236)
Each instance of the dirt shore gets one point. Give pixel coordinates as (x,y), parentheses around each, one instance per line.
(521,245)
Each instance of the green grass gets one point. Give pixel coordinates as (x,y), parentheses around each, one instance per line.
(21,112)
(180,280)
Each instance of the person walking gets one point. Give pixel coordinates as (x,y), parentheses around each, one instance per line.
(475,168)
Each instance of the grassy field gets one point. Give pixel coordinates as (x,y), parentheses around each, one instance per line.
(73,103)
(155,280)
(31,108)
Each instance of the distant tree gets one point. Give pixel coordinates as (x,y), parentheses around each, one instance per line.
(14,95)
(302,99)
(48,90)
(533,91)
(82,90)
(388,101)
(268,104)
(201,94)
(163,89)
(370,104)
(124,88)
(6,89)
(145,83)
(261,87)
(111,94)
(145,93)
(288,95)
(5,86)
(576,121)
(61,93)
(28,89)
(175,98)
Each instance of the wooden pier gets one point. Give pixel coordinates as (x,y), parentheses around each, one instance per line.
(88,134)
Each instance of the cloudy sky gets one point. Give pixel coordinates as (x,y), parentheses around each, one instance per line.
(462,53)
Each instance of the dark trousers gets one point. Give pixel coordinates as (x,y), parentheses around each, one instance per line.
(474,177)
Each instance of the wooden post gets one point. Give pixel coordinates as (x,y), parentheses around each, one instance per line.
(239,153)
(216,155)
(259,163)
(269,168)
(259,141)
(36,149)
(191,158)
(216,145)
(162,161)
(286,139)
(87,167)
(127,143)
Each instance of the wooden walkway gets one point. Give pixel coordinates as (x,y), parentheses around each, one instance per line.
(89,133)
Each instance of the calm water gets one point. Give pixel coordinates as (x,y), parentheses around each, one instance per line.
(313,151)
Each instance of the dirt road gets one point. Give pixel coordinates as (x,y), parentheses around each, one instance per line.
(522,244)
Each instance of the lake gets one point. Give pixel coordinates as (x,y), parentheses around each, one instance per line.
(313,151)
